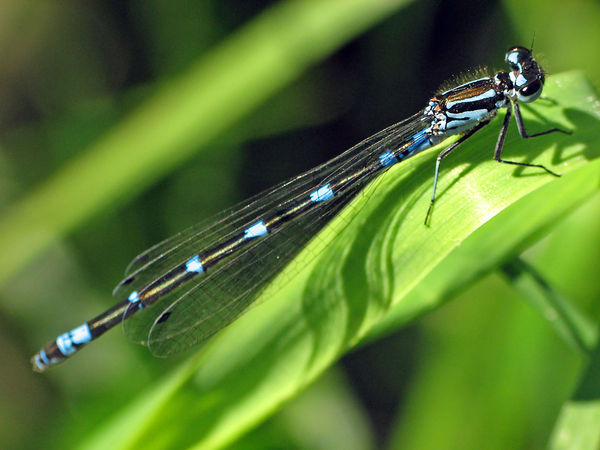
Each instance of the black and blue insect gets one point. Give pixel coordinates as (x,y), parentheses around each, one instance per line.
(185,289)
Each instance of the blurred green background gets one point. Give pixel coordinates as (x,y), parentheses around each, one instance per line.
(485,371)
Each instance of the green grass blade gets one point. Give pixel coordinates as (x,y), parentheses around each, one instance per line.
(377,273)
(185,113)
(578,426)
(500,228)
(568,321)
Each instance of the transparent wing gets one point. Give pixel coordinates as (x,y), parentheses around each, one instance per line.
(218,299)
(206,304)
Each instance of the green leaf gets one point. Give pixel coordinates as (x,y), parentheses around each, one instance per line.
(374,268)
(573,325)
(578,426)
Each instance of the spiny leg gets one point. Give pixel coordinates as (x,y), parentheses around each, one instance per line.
(442,155)
(524,135)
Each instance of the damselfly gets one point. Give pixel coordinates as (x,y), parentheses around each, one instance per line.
(185,289)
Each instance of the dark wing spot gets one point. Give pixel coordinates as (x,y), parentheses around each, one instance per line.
(163,317)
(127,281)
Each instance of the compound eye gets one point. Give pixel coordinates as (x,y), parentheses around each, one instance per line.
(516,56)
(530,92)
